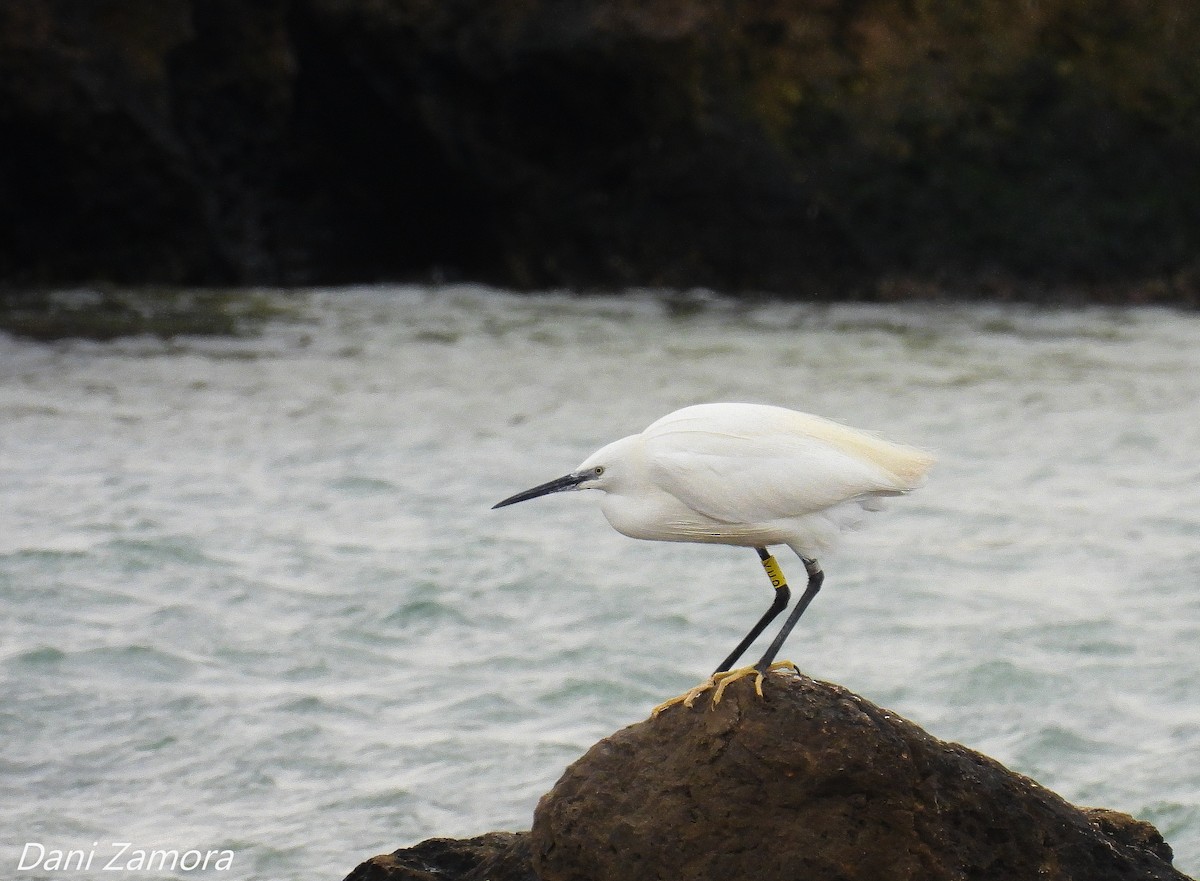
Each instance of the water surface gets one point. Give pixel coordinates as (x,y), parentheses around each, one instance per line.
(254,598)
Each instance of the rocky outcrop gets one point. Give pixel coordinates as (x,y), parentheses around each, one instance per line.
(814,782)
(809,782)
(497,856)
(875,149)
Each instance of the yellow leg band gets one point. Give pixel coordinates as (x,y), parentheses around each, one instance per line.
(774,573)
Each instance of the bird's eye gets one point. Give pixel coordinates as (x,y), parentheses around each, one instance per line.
(599,470)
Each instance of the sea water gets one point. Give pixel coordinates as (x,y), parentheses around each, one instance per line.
(256,608)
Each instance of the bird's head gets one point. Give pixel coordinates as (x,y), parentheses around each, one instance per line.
(602,470)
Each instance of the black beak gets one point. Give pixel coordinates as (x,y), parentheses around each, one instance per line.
(570,481)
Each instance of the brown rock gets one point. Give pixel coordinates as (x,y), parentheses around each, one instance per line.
(496,856)
(812,782)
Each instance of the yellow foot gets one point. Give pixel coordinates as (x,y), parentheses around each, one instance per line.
(721,681)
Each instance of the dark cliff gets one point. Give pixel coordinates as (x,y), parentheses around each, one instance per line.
(878,149)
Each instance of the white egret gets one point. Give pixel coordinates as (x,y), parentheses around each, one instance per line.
(749,475)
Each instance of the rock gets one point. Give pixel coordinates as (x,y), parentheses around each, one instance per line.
(497,856)
(808,783)
(813,782)
(102,313)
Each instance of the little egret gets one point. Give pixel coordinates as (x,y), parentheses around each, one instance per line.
(749,475)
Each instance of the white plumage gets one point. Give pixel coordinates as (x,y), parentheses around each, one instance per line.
(749,475)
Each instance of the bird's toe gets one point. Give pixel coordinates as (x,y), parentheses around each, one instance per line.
(718,682)
(778,665)
(724,680)
(687,698)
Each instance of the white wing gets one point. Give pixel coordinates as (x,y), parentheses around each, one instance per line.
(746,463)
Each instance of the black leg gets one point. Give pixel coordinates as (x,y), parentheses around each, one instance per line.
(782,595)
(815,577)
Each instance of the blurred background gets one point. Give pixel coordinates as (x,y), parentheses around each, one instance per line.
(292,292)
(820,149)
